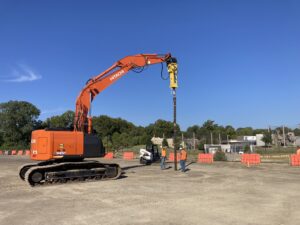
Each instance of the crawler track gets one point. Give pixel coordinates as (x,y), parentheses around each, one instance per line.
(62,172)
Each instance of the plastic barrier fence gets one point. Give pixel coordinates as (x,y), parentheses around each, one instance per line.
(250,159)
(109,155)
(15,152)
(20,152)
(295,160)
(128,155)
(205,158)
(171,156)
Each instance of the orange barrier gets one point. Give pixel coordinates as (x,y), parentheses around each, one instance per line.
(128,155)
(295,160)
(205,158)
(171,156)
(20,152)
(27,152)
(13,152)
(109,155)
(250,159)
(1,152)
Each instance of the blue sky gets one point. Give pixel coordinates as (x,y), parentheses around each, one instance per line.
(239,61)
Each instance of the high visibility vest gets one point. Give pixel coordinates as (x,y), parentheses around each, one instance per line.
(183,155)
(163,152)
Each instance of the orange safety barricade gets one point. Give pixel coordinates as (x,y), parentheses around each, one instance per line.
(109,155)
(13,152)
(1,153)
(20,152)
(128,155)
(205,158)
(27,152)
(171,156)
(295,160)
(250,159)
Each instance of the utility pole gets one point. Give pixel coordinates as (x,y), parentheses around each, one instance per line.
(227,139)
(219,138)
(283,134)
(211,138)
(194,141)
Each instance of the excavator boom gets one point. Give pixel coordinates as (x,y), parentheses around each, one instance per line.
(97,84)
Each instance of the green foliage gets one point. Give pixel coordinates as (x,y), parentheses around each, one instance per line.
(246,131)
(201,146)
(65,120)
(165,143)
(17,120)
(275,150)
(148,141)
(220,156)
(297,132)
(230,131)
(210,125)
(246,149)
(162,128)
(267,138)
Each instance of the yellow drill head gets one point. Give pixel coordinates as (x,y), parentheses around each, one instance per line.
(172,69)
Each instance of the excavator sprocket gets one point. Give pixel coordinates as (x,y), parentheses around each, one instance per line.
(62,172)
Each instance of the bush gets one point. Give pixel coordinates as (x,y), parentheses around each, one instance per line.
(247,149)
(220,156)
(201,146)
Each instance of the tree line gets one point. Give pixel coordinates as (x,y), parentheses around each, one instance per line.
(19,118)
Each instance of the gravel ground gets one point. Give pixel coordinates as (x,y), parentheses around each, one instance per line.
(222,193)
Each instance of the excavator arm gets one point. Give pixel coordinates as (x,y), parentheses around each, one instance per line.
(98,83)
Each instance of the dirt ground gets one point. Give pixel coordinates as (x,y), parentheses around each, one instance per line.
(222,193)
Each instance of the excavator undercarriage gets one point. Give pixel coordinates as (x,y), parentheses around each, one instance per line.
(57,171)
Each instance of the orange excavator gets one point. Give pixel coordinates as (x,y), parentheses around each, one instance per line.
(62,152)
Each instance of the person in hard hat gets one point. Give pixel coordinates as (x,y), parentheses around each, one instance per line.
(298,150)
(183,157)
(163,158)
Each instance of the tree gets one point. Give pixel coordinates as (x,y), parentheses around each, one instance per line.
(162,128)
(244,131)
(267,138)
(17,120)
(66,120)
(230,131)
(148,140)
(297,132)
(210,127)
(165,143)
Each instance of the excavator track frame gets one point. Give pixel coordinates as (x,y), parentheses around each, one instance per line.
(62,172)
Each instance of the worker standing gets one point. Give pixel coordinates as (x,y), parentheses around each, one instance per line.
(163,158)
(183,157)
(298,150)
